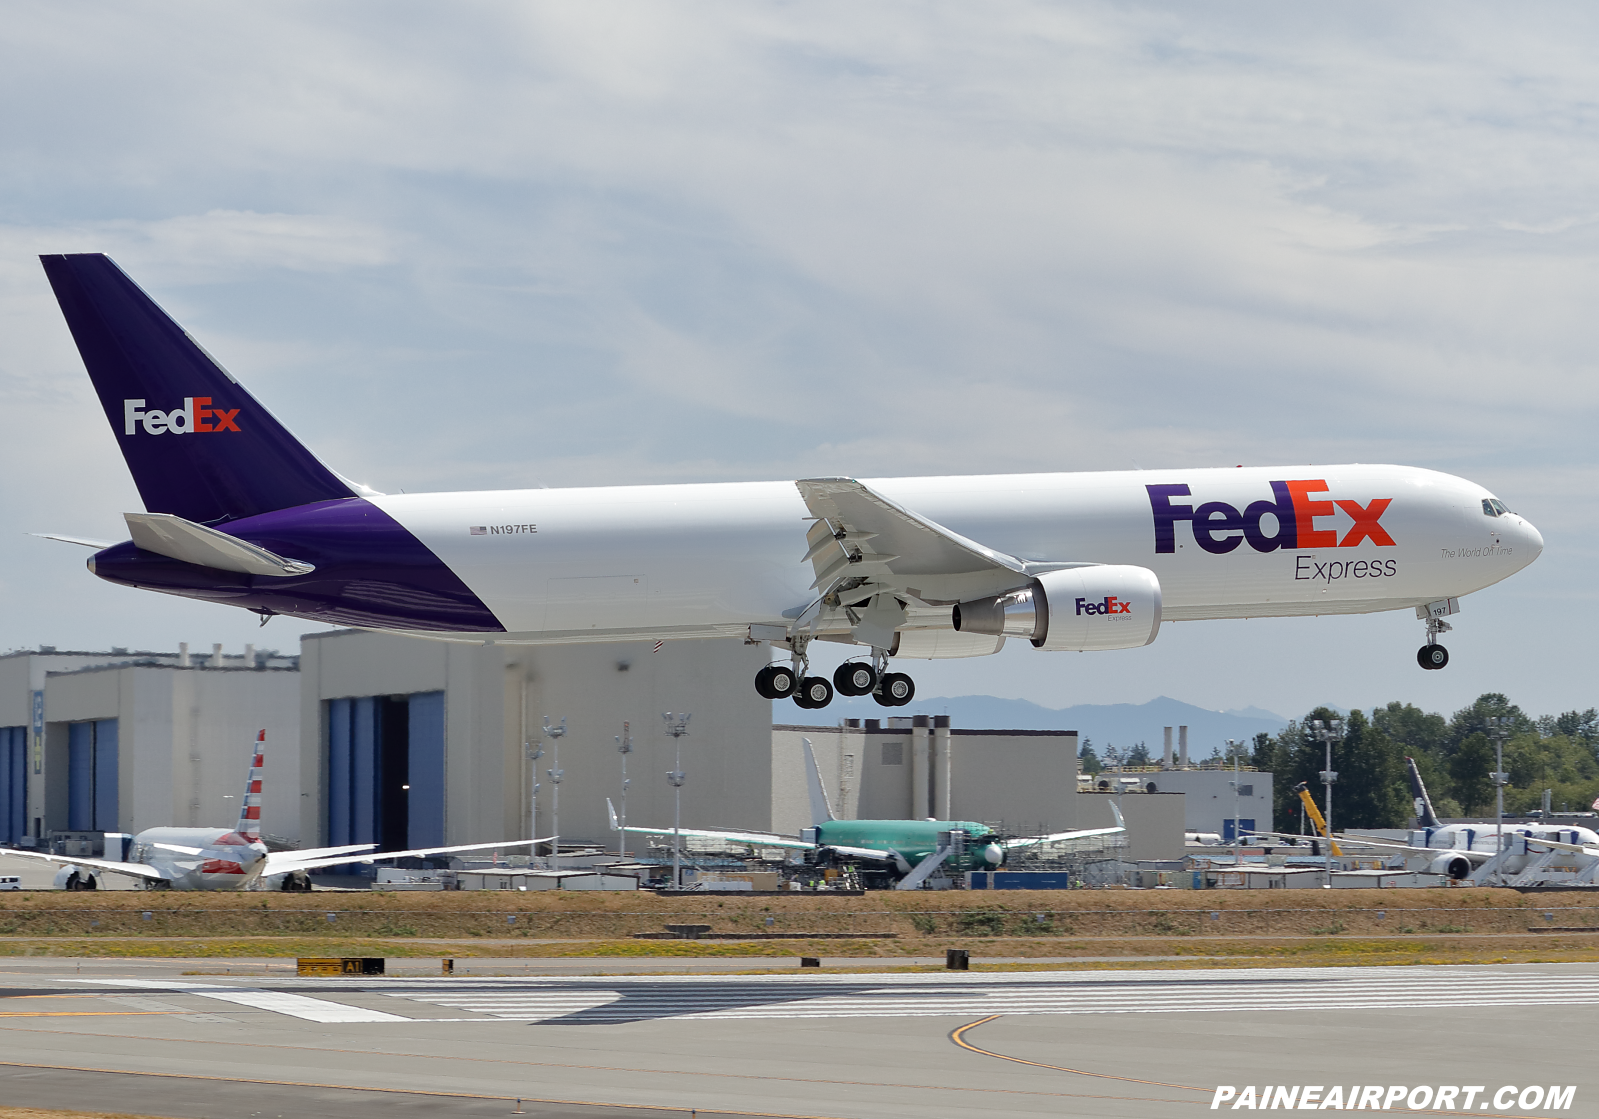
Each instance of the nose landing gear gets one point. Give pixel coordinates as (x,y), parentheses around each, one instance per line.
(1432,655)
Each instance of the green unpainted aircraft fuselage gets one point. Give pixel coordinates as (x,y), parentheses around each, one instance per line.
(913,839)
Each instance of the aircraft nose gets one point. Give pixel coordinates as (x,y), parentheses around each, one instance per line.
(993,854)
(1531,538)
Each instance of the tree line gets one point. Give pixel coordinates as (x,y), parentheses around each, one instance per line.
(1454,755)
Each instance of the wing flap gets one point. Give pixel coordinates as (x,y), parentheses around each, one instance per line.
(891,539)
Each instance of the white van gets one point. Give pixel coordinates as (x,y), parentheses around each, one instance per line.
(10,882)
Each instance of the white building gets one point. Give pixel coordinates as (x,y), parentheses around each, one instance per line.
(1209,801)
(122,741)
(410,742)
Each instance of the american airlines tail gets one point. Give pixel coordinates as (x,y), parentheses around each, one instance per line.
(250,804)
(153,379)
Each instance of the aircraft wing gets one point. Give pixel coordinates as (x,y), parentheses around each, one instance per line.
(114,866)
(867,853)
(862,537)
(1056,837)
(280,862)
(1475,856)
(1578,848)
(753,838)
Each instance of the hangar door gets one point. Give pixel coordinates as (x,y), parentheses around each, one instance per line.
(13,783)
(92,776)
(386,770)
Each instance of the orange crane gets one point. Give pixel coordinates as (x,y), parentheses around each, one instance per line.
(1305,798)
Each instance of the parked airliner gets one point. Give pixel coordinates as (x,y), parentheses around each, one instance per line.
(237,511)
(223,858)
(910,851)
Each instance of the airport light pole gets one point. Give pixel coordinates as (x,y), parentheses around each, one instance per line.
(555,773)
(1238,852)
(624,743)
(677,727)
(534,753)
(1329,732)
(1499,730)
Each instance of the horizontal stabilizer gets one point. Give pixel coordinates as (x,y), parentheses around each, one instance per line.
(97,545)
(178,539)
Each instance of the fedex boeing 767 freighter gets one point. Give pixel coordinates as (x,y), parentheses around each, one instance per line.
(239,512)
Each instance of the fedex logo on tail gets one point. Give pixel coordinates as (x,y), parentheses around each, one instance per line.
(196,415)
(1219,527)
(1110,605)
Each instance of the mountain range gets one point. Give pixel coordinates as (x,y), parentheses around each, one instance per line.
(1104,724)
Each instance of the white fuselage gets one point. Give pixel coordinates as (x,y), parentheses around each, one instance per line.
(1485,837)
(710,560)
(226,861)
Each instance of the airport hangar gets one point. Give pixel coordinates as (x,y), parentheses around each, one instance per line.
(407,742)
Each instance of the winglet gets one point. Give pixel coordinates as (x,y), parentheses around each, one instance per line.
(821,807)
(1117,812)
(611,808)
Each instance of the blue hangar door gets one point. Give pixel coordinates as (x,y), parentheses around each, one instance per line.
(386,771)
(92,776)
(13,783)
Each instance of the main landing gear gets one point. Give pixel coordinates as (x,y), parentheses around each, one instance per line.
(854,678)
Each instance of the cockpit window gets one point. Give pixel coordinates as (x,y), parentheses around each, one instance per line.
(1500,507)
(1493,507)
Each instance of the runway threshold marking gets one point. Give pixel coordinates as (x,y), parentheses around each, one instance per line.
(957,1035)
(422,1092)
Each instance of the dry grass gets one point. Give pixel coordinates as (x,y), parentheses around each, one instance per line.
(1280,925)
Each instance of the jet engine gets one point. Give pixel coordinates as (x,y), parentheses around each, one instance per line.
(1455,866)
(1109,606)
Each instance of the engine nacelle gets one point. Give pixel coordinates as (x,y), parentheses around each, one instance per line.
(1109,606)
(939,644)
(1455,866)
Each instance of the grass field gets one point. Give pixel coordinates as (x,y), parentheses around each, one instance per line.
(1249,928)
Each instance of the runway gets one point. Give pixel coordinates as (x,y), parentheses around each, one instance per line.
(844,1046)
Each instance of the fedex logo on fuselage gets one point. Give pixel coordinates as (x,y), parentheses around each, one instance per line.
(196,415)
(1109,605)
(1219,527)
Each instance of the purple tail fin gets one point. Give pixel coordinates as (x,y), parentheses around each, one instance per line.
(198,445)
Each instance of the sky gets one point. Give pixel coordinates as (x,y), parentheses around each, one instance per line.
(486,245)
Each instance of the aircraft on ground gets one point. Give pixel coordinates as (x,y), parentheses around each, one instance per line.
(224,859)
(237,511)
(1462,851)
(908,850)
